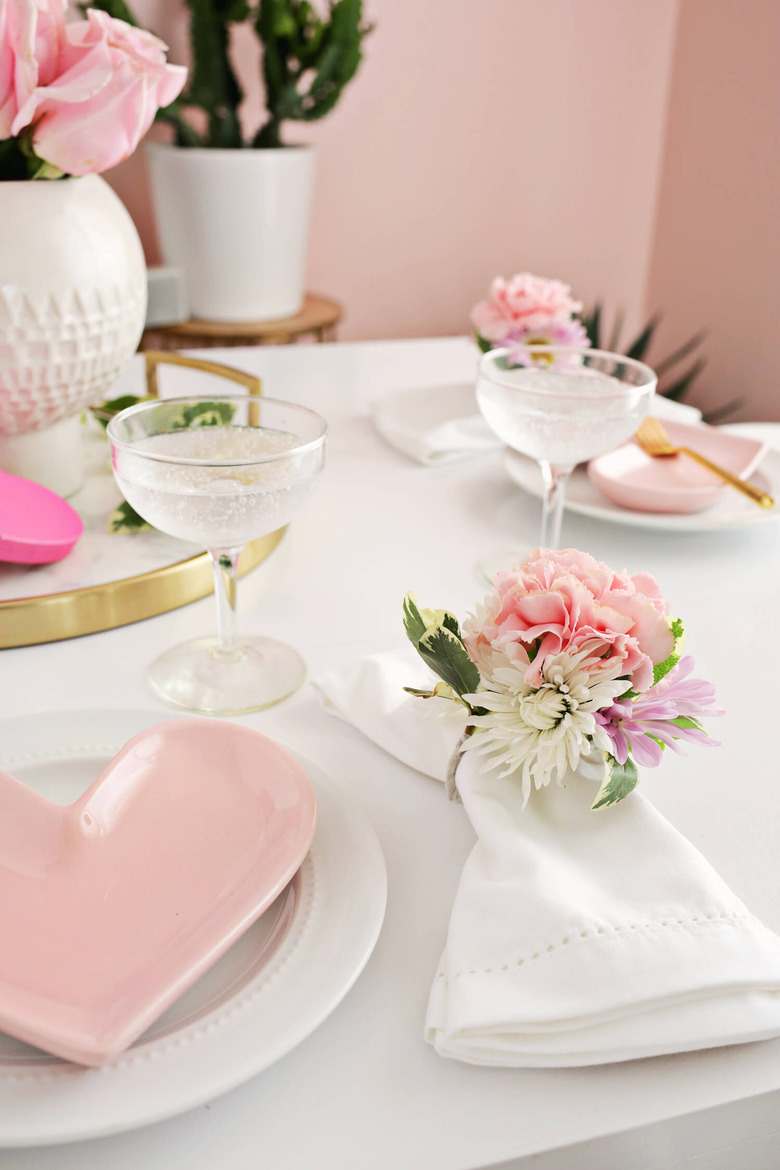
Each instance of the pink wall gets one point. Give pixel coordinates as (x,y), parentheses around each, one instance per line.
(716,256)
(478,138)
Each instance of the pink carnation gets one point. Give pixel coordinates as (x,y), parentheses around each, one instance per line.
(524,303)
(563,600)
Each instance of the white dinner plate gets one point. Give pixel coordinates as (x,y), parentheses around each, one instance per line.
(731,510)
(270,991)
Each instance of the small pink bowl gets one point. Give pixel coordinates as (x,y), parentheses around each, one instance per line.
(632,479)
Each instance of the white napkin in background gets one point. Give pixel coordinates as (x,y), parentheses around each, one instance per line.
(441,424)
(576,937)
(436,424)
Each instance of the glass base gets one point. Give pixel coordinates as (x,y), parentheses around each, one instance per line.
(499,560)
(198,676)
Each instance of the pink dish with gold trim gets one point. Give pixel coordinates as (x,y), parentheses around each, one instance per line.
(632,479)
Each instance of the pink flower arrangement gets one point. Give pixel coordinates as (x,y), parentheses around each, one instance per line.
(78,96)
(527,311)
(567,661)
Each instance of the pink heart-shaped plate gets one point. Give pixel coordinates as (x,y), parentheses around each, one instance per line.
(113,906)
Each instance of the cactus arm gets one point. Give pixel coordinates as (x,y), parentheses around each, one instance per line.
(213,84)
(116,8)
(297,42)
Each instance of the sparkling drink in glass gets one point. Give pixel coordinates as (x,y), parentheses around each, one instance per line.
(562,406)
(220,471)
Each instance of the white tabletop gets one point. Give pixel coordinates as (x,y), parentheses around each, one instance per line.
(365,1091)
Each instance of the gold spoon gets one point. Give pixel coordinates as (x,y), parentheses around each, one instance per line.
(653,439)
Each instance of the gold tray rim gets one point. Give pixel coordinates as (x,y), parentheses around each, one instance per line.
(55,617)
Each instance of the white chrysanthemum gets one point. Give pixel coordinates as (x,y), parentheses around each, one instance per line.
(540,732)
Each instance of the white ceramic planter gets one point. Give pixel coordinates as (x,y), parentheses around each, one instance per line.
(237,222)
(72,309)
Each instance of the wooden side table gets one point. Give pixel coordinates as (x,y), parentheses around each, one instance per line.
(318,319)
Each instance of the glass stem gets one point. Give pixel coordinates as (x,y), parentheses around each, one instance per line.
(555,479)
(224,563)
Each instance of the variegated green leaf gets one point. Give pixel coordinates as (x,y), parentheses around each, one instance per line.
(447,657)
(413,620)
(106,411)
(442,690)
(619,781)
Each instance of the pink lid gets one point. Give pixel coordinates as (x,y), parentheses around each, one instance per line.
(36,525)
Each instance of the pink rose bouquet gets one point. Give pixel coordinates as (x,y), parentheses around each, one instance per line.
(566,664)
(75,97)
(527,311)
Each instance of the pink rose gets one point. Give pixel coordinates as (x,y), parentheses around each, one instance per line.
(561,601)
(32,33)
(522,304)
(110,82)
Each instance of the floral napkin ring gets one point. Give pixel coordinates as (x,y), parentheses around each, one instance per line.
(564,663)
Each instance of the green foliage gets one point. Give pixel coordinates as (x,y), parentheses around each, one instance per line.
(619,781)
(308,59)
(203,414)
(435,635)
(126,519)
(106,411)
(19,161)
(672,382)
(116,8)
(213,85)
(200,414)
(441,691)
(661,669)
(14,163)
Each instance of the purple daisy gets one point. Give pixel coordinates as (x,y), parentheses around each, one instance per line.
(522,343)
(664,715)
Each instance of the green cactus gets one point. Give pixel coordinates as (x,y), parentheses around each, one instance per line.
(307,61)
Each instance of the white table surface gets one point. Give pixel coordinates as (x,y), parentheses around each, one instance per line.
(364,1092)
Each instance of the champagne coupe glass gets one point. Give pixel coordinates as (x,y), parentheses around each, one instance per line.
(220,471)
(563,407)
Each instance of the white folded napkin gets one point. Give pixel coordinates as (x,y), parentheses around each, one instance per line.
(576,937)
(441,424)
(436,424)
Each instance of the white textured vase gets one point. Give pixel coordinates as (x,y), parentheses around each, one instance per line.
(72,309)
(237,222)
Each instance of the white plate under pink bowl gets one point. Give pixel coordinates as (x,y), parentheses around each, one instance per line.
(632,479)
(111,907)
(731,511)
